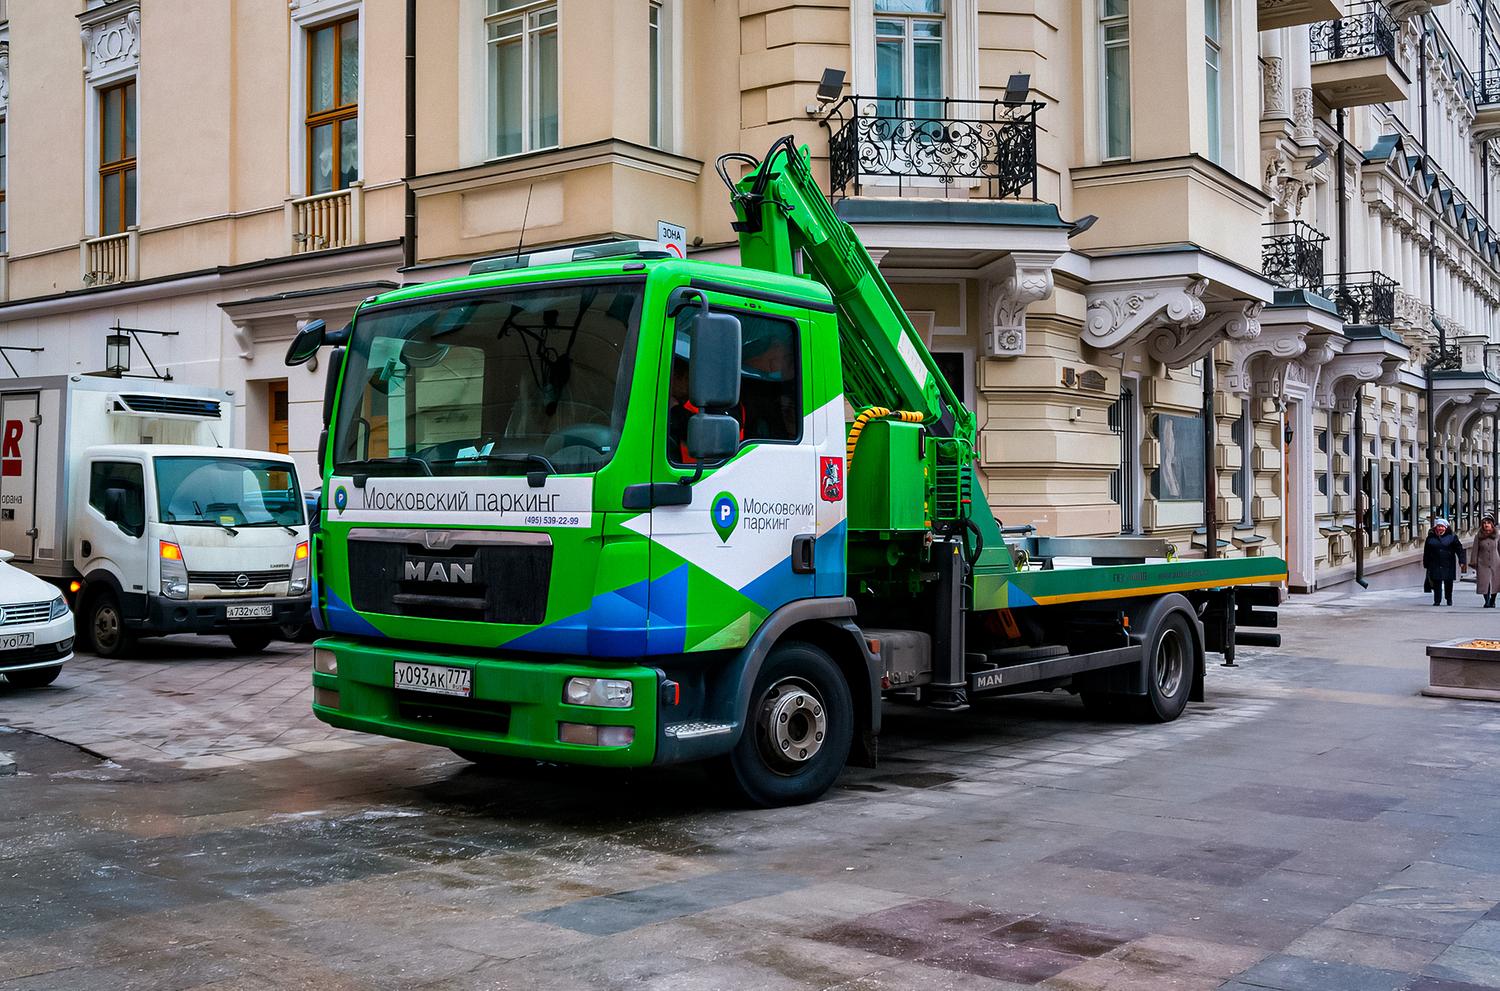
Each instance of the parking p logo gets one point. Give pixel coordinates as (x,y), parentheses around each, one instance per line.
(726,515)
(340,499)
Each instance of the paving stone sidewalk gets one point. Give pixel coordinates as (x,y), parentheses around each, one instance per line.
(1316,824)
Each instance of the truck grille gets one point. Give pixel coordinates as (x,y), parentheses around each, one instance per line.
(469,714)
(25,613)
(452,574)
(231,579)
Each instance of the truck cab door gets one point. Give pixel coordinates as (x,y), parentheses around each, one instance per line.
(746,542)
(110,535)
(20,422)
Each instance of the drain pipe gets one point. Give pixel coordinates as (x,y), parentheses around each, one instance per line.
(409,225)
(1362,506)
(1210,469)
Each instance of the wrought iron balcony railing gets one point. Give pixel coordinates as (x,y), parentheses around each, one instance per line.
(1367,30)
(1291,254)
(1487,88)
(987,145)
(1361,297)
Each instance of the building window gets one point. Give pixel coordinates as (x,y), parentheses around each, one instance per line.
(522,42)
(658,66)
(332,106)
(1180,476)
(4,166)
(909,57)
(117,158)
(1212,57)
(1114,41)
(1243,482)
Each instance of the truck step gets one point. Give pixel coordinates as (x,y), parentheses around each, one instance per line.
(1024,655)
(691,731)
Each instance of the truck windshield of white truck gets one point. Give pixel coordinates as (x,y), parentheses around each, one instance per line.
(500,383)
(227,492)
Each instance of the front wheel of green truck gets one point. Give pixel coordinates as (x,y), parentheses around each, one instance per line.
(798,729)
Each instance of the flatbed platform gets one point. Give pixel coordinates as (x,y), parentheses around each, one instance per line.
(1054,586)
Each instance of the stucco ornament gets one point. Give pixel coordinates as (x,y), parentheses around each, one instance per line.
(1287,188)
(1020,279)
(1258,365)
(1345,373)
(1116,315)
(112,47)
(1178,346)
(1273,85)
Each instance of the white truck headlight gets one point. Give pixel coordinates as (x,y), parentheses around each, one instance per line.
(605,692)
(57,608)
(174,575)
(298,584)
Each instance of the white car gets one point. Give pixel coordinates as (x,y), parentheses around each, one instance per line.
(36,628)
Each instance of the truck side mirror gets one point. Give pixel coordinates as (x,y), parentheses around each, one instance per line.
(712,436)
(714,369)
(306,343)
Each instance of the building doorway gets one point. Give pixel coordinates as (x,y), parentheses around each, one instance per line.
(277,436)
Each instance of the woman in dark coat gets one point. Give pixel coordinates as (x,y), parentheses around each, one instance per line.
(1485,557)
(1442,557)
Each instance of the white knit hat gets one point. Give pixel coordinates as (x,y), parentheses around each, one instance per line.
(1440,521)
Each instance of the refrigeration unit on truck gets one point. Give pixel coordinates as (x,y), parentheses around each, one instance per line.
(607,506)
(125,494)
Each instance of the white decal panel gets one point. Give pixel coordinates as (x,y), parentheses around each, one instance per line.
(463,501)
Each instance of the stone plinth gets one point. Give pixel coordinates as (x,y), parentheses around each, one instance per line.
(1464,669)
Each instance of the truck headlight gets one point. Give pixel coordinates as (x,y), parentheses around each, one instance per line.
(298,584)
(57,608)
(174,576)
(604,692)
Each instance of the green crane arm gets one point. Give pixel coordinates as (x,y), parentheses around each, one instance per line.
(782,213)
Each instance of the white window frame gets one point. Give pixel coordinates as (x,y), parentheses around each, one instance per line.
(525,12)
(307,16)
(909,45)
(1102,74)
(1214,66)
(961,48)
(668,31)
(91,115)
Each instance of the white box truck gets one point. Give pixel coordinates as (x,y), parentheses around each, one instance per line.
(124,493)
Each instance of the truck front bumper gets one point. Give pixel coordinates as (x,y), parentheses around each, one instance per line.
(165,615)
(516,709)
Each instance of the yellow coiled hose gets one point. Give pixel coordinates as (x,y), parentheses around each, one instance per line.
(865,416)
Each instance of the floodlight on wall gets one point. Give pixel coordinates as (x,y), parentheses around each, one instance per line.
(831,86)
(1318,159)
(1017,88)
(1082,224)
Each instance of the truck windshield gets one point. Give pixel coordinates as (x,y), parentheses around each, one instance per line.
(532,379)
(227,492)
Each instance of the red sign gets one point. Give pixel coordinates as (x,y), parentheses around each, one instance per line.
(831,479)
(10,448)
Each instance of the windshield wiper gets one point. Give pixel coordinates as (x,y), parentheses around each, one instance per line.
(354,467)
(536,479)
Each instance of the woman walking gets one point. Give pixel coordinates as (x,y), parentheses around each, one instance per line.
(1486,561)
(1442,557)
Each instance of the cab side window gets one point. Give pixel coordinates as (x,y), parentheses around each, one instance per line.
(770,384)
(117,489)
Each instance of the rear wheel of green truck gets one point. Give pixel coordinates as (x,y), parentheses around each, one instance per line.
(797,732)
(1172,659)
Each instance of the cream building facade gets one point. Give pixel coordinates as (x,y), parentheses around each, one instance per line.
(1106,216)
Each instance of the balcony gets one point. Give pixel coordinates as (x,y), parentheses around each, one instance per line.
(1486,106)
(1273,14)
(111,259)
(326,220)
(1291,254)
(951,148)
(1361,297)
(1354,58)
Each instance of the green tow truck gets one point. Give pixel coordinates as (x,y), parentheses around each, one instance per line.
(607,506)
